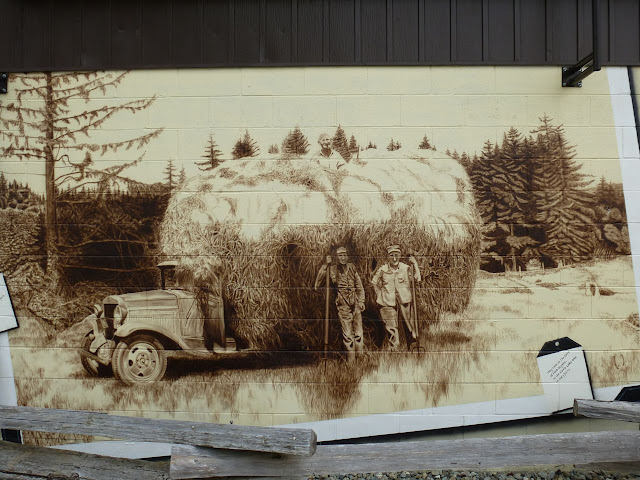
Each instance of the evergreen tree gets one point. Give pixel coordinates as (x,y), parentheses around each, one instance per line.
(564,205)
(183,176)
(4,185)
(211,156)
(425,145)
(339,143)
(170,175)
(394,145)
(371,145)
(295,143)
(245,147)
(353,145)
(274,149)
(42,124)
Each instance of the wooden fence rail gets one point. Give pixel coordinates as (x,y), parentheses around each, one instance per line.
(188,462)
(25,462)
(236,437)
(623,411)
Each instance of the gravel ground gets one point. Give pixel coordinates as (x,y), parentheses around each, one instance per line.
(565,474)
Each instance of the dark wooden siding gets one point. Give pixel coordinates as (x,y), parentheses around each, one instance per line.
(111,34)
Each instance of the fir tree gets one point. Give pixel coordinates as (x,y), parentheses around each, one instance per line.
(425,145)
(211,156)
(43,125)
(564,205)
(295,143)
(394,145)
(170,175)
(183,176)
(339,143)
(273,149)
(4,185)
(353,145)
(371,145)
(245,147)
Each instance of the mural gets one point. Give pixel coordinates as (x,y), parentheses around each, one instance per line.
(176,253)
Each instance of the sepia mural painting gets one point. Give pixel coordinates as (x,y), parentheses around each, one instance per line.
(295,245)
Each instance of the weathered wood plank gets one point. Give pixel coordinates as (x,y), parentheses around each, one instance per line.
(238,437)
(574,448)
(623,411)
(26,461)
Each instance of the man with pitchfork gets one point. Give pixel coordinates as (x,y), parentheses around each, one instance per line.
(392,283)
(349,299)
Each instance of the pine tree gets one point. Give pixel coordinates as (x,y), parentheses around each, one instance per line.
(43,125)
(245,147)
(339,143)
(371,145)
(273,149)
(170,175)
(211,156)
(394,145)
(183,176)
(565,206)
(295,143)
(353,145)
(425,145)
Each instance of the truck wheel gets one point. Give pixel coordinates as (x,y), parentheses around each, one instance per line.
(94,368)
(139,359)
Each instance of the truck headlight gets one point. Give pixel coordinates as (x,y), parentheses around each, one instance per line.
(119,314)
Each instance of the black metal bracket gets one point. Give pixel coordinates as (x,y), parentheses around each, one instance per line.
(573,75)
(4,82)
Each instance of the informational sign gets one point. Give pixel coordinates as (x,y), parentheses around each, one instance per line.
(7,316)
(564,374)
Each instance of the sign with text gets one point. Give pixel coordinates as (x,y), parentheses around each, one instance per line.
(563,373)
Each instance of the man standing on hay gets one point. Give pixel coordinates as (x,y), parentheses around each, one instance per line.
(392,285)
(349,299)
(327,157)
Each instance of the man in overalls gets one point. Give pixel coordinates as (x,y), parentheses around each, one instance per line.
(349,299)
(392,285)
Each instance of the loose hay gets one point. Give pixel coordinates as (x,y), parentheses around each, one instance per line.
(263,227)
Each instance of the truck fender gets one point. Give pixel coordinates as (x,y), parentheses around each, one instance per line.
(92,322)
(127,330)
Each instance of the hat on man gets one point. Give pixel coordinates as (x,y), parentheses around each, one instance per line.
(341,250)
(393,248)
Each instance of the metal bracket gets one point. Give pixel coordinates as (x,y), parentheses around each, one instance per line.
(573,75)
(4,82)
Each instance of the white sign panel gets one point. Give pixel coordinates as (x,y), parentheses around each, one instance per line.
(563,373)
(7,316)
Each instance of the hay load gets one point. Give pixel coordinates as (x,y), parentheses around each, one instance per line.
(262,228)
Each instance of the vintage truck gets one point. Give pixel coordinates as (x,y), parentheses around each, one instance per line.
(131,335)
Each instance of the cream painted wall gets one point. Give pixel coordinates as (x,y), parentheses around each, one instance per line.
(511,315)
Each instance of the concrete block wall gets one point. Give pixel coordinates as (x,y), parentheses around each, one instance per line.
(487,373)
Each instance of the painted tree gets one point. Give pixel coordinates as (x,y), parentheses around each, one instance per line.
(245,147)
(170,176)
(273,149)
(510,177)
(425,144)
(295,143)
(47,123)
(353,145)
(394,145)
(339,143)
(4,190)
(371,145)
(212,156)
(564,205)
(183,176)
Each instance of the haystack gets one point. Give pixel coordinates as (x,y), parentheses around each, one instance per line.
(262,227)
